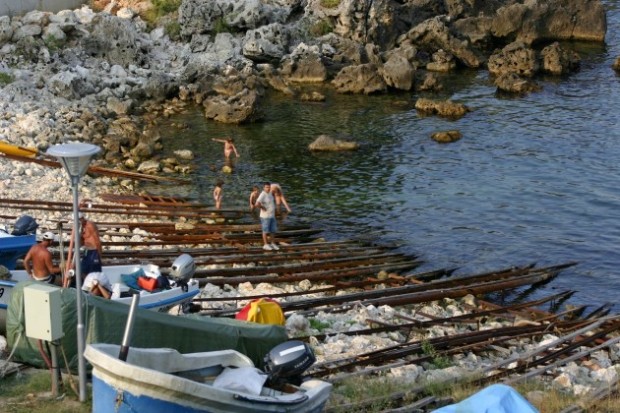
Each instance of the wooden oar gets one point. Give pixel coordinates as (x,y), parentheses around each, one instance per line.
(9,149)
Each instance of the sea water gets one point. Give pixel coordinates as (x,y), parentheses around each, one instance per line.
(534,179)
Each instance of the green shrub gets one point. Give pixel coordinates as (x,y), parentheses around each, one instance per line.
(318,324)
(220,26)
(321,28)
(52,43)
(439,362)
(6,78)
(330,4)
(173,30)
(166,6)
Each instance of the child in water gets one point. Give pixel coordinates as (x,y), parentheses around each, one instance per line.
(253,197)
(218,194)
(229,147)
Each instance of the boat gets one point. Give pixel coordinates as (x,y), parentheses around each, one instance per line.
(181,286)
(225,381)
(13,247)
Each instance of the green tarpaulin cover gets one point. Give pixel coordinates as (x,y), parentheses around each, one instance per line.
(105,320)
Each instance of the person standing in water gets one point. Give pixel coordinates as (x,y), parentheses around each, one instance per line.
(253,197)
(278,195)
(218,194)
(267,206)
(229,147)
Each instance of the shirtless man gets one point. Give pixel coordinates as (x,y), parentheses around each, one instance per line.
(229,147)
(42,268)
(278,195)
(91,262)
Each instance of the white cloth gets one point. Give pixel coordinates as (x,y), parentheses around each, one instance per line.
(243,379)
(267,200)
(87,285)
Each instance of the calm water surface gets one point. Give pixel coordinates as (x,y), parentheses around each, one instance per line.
(534,178)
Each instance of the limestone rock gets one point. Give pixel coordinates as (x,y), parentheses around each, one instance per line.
(239,108)
(327,143)
(616,64)
(398,72)
(359,79)
(559,61)
(313,96)
(442,108)
(447,136)
(513,83)
(517,58)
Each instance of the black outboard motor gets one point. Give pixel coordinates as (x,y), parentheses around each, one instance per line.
(286,362)
(25,225)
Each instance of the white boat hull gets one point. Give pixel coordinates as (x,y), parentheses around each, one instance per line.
(159,300)
(158,380)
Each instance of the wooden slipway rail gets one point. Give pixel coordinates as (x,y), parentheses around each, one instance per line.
(346,274)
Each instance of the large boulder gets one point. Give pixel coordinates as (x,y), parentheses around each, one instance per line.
(304,64)
(517,58)
(377,21)
(547,20)
(239,108)
(6,29)
(267,43)
(398,72)
(115,40)
(216,16)
(359,79)
(559,61)
(435,34)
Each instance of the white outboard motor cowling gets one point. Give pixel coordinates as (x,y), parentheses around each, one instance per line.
(183,268)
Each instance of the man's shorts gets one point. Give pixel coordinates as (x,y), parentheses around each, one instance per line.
(269,225)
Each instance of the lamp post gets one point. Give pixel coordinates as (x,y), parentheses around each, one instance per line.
(75,158)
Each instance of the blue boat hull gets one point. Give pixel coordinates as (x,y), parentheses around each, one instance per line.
(13,248)
(107,399)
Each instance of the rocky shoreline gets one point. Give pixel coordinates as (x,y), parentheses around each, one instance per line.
(106,76)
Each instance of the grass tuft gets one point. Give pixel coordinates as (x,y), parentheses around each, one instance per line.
(6,78)
(330,4)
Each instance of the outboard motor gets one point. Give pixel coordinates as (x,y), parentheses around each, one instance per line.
(182,270)
(286,362)
(25,225)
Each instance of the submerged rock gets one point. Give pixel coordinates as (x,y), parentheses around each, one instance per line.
(327,143)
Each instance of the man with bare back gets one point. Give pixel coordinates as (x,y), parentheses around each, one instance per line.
(42,268)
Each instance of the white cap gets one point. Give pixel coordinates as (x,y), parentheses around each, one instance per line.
(48,236)
(81,215)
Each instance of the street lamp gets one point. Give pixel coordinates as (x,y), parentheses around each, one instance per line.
(75,158)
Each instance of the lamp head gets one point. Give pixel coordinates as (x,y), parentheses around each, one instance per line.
(74,157)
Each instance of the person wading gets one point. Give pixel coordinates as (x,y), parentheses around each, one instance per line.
(267,205)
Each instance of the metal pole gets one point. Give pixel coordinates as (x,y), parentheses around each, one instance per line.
(122,355)
(78,287)
(55,370)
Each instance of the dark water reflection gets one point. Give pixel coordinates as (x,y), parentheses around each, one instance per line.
(534,179)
